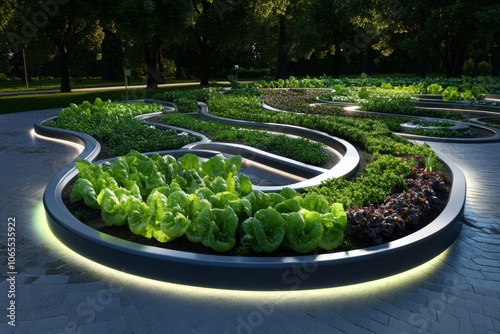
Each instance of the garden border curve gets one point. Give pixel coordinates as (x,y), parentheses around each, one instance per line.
(493,139)
(256,273)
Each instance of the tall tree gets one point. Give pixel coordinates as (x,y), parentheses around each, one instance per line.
(150,24)
(59,23)
(332,28)
(7,13)
(451,29)
(215,23)
(419,30)
(282,16)
(489,31)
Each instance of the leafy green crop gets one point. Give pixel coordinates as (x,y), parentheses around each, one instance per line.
(264,231)
(384,87)
(300,149)
(466,91)
(114,125)
(187,100)
(384,174)
(434,89)
(403,106)
(206,201)
(387,170)
(451,94)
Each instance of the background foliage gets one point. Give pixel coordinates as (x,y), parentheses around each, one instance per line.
(204,39)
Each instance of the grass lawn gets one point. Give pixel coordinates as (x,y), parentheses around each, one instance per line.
(27,102)
(34,84)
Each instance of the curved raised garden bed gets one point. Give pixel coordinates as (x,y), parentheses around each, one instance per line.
(346,167)
(436,101)
(457,126)
(261,273)
(488,121)
(495,135)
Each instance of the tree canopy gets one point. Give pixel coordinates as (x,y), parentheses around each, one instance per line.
(204,39)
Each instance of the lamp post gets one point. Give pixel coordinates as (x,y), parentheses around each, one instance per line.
(236,68)
(125,71)
(25,69)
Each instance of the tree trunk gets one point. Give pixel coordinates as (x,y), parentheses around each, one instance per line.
(445,56)
(64,67)
(453,61)
(160,66)
(178,64)
(104,71)
(458,61)
(423,59)
(475,68)
(477,55)
(495,62)
(369,62)
(282,66)
(205,63)
(152,76)
(337,61)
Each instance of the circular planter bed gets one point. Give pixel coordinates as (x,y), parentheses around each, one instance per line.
(477,106)
(446,124)
(236,272)
(493,121)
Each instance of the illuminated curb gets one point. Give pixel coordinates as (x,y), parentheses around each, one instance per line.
(436,101)
(457,126)
(345,168)
(493,139)
(254,273)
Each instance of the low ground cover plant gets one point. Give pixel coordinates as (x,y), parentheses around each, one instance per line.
(299,101)
(465,91)
(403,106)
(354,94)
(114,126)
(289,100)
(395,176)
(299,149)
(187,100)
(370,134)
(400,211)
(417,85)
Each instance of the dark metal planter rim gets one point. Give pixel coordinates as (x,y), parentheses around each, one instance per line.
(249,273)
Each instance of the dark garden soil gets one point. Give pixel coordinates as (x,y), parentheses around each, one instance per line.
(482,133)
(494,121)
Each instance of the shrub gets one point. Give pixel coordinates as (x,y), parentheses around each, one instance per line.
(251,73)
(232,80)
(468,66)
(485,68)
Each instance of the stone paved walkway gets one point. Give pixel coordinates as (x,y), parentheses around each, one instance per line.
(59,292)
